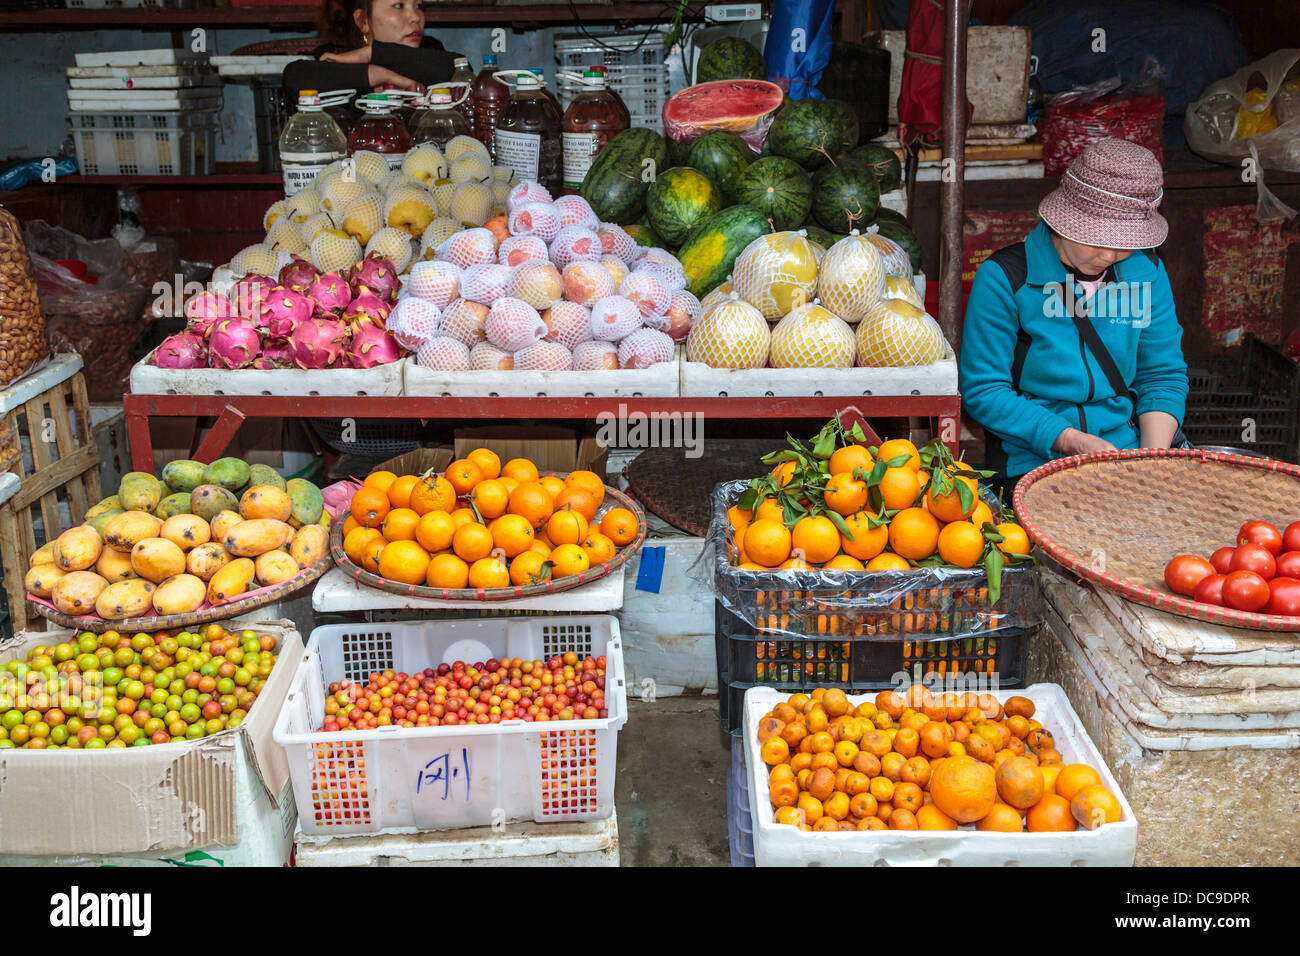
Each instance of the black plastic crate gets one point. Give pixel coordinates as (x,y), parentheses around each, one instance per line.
(1250,386)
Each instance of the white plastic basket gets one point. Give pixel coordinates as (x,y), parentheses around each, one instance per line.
(441,778)
(776,844)
(145,144)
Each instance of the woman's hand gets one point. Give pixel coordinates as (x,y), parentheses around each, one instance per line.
(381,77)
(1071,441)
(360,55)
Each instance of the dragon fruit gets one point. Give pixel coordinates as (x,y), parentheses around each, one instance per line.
(279,352)
(367,308)
(248,294)
(377,276)
(319,343)
(371,346)
(298,274)
(330,292)
(183,350)
(234,343)
(283,311)
(413,322)
(206,310)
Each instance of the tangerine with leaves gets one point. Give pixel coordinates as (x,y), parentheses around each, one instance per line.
(569,559)
(528,567)
(490,498)
(914,534)
(1015,540)
(888,562)
(899,488)
(866,542)
(371,553)
(895,447)
(845,460)
(843,562)
(845,494)
(947,505)
(513,534)
(784,473)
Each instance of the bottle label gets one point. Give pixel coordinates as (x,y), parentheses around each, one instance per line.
(301,169)
(519,151)
(394,160)
(579,150)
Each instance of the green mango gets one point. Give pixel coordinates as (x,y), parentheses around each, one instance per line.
(324,520)
(207,500)
(111,503)
(173,504)
(265,475)
(229,473)
(307,501)
(183,474)
(100,521)
(139,492)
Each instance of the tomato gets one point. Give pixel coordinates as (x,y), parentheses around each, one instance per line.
(1288,565)
(1185,571)
(1210,590)
(1245,591)
(1261,533)
(1291,537)
(1222,559)
(1283,597)
(1254,557)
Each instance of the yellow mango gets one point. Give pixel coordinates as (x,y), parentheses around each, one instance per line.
(179,595)
(265,501)
(130,527)
(111,503)
(77,549)
(125,599)
(186,531)
(157,559)
(76,593)
(248,539)
(206,560)
(43,555)
(40,580)
(231,581)
(223,522)
(274,567)
(114,566)
(310,544)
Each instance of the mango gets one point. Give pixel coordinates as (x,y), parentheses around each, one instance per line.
(75,594)
(111,503)
(173,504)
(324,520)
(229,473)
(222,524)
(180,595)
(125,599)
(264,475)
(208,500)
(248,539)
(42,555)
(309,545)
(157,559)
(274,567)
(139,491)
(40,580)
(77,549)
(130,527)
(231,581)
(114,566)
(206,560)
(308,503)
(186,531)
(265,501)
(101,520)
(183,474)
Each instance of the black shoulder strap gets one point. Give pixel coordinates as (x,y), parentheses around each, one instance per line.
(1015,263)
(1088,332)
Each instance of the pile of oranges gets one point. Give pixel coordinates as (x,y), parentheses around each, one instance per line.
(911,761)
(482,524)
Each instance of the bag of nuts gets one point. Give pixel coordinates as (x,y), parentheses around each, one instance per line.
(22,324)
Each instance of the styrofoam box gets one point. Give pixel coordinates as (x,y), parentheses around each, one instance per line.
(658,380)
(1113,844)
(107,101)
(442,778)
(940,378)
(148,379)
(162,57)
(240,67)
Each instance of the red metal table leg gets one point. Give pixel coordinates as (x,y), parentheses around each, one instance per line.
(223,432)
(950,425)
(139,441)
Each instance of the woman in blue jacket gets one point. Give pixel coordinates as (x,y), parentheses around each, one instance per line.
(1071,343)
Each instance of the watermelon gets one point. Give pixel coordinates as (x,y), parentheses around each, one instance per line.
(643,235)
(713,246)
(745,107)
(846,196)
(616,184)
(820,236)
(849,117)
(883,162)
(721,156)
(778,188)
(678,153)
(679,200)
(810,132)
(904,237)
(729,58)
(884,213)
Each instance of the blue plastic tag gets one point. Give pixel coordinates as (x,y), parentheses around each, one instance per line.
(651,572)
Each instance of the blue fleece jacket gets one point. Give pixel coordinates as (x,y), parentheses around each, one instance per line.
(1061,385)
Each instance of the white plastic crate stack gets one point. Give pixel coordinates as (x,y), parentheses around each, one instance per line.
(144,113)
(636,71)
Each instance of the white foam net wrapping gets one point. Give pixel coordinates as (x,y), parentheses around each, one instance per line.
(776,273)
(544,357)
(812,337)
(444,353)
(733,334)
(896,333)
(512,324)
(852,278)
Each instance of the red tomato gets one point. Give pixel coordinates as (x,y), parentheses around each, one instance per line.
(1245,591)
(1291,537)
(1254,557)
(1283,597)
(1222,559)
(1261,533)
(1210,590)
(1288,565)
(1185,571)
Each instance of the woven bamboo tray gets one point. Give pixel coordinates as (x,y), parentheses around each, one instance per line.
(613,498)
(207,614)
(1116,518)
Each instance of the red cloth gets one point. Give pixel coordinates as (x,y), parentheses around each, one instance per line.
(920,97)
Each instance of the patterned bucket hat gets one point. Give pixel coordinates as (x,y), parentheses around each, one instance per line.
(1108,197)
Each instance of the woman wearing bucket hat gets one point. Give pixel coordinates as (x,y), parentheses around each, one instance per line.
(1071,343)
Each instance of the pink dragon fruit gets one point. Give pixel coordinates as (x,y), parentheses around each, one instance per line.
(249,293)
(279,352)
(371,346)
(206,310)
(234,343)
(413,322)
(367,308)
(377,276)
(330,293)
(319,343)
(283,311)
(263,364)
(298,275)
(183,350)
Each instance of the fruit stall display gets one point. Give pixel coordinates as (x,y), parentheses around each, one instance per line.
(198,542)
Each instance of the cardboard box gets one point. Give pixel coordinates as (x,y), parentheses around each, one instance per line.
(418,462)
(550,447)
(146,800)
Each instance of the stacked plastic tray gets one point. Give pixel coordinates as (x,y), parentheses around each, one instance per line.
(635,69)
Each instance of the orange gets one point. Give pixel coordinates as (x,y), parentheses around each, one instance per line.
(447,571)
(817,537)
(510,483)
(521,470)
(980,748)
(1051,815)
(1039,740)
(433,493)
(1020,707)
(527,568)
(914,534)
(845,752)
(1019,726)
(891,702)
(541,547)
(566,527)
(827,824)
(589,481)
(963,788)
(902,820)
(532,501)
(907,796)
(930,817)
(598,547)
(821,784)
(888,562)
(948,506)
(552,484)
(379,480)
(770,726)
(866,542)
(872,823)
(981,515)
(513,535)
(899,488)
(434,531)
(400,524)
(862,804)
(371,553)
(917,771)
(463,475)
(783,794)
(845,494)
(795,564)
(906,742)
(489,573)
(487,461)
(1050,775)
(848,458)
(835,702)
(770,508)
(585,503)
(1019,783)
(369,506)
(767,542)
(843,562)
(1094,806)
(1003,818)
(399,492)
(899,446)
(784,473)
(935,736)
(1017,542)
(811,807)
(490,498)
(355,541)
(569,559)
(619,525)
(463,516)
(1074,777)
(789,816)
(960,543)
(349,523)
(404,561)
(882,788)
(471,542)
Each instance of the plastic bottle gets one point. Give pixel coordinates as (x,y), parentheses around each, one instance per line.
(528,132)
(489,96)
(595,115)
(380,130)
(443,119)
(311,140)
(541,78)
(462,73)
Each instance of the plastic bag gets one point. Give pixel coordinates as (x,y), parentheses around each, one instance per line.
(1077,118)
(798,46)
(22,326)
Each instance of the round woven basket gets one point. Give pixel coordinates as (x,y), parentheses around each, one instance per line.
(613,498)
(205,615)
(1116,518)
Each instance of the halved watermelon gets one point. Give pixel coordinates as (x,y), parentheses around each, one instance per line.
(745,107)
